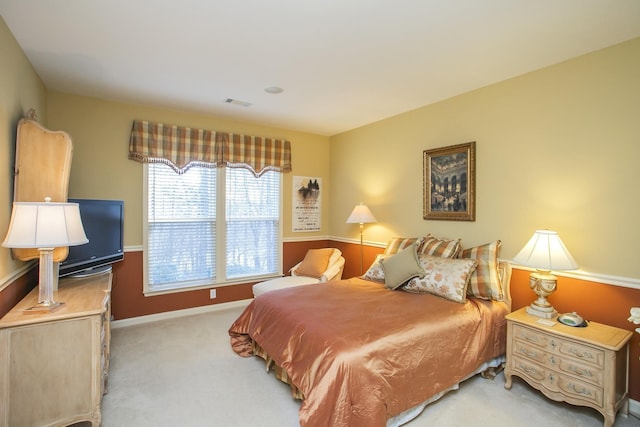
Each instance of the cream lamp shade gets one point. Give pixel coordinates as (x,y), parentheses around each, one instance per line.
(545,251)
(45,226)
(361,214)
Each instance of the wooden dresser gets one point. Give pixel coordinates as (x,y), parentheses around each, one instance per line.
(53,366)
(582,366)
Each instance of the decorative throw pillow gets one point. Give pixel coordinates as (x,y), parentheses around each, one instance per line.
(439,247)
(397,244)
(401,267)
(375,271)
(485,280)
(445,277)
(315,262)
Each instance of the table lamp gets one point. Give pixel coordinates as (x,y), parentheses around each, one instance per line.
(45,226)
(361,215)
(544,252)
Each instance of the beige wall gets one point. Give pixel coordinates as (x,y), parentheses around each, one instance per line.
(557,148)
(20,90)
(100,169)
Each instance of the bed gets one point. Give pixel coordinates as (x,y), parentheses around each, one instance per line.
(358,352)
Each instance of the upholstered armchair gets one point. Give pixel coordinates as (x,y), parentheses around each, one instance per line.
(318,265)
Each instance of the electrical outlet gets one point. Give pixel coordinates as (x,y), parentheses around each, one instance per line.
(212,293)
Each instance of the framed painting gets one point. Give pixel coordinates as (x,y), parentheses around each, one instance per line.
(450,183)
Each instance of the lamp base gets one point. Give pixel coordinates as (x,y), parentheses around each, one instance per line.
(544,312)
(46,302)
(44,307)
(543,284)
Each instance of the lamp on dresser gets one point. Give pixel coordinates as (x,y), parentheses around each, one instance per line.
(45,226)
(362,215)
(544,252)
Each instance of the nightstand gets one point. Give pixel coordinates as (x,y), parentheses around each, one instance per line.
(582,366)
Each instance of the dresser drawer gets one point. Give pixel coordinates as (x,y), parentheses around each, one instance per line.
(531,336)
(527,369)
(580,390)
(531,352)
(582,371)
(582,353)
(530,339)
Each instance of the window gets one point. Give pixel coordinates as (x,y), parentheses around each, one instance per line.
(210,226)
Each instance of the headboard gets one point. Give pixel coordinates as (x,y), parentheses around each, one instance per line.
(504,269)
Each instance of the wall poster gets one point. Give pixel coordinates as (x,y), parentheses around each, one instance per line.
(307,203)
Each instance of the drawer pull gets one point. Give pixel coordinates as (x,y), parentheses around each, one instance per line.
(580,372)
(528,370)
(583,391)
(531,354)
(581,354)
(553,344)
(552,360)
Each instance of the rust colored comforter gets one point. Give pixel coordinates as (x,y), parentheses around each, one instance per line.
(361,353)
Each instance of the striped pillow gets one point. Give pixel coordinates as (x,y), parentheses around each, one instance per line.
(397,244)
(439,247)
(485,280)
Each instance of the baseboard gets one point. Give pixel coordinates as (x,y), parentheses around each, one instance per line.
(178,313)
(634,408)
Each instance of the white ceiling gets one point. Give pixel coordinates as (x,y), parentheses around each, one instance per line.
(342,63)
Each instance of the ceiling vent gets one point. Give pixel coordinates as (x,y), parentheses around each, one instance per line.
(237,102)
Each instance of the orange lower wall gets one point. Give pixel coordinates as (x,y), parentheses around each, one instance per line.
(594,301)
(17,290)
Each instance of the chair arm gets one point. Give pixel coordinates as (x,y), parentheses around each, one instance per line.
(334,271)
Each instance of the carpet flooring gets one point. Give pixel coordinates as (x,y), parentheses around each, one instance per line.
(182,372)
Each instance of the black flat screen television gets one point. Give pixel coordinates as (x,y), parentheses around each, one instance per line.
(103,222)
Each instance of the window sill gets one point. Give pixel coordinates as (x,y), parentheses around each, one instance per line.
(253,280)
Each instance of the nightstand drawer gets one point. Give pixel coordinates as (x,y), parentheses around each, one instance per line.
(527,338)
(527,369)
(580,390)
(581,353)
(531,336)
(531,352)
(582,371)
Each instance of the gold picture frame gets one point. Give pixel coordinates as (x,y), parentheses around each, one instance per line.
(450,183)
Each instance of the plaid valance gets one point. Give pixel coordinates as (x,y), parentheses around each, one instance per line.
(182,147)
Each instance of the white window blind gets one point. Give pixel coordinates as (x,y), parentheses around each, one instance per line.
(195,239)
(252,223)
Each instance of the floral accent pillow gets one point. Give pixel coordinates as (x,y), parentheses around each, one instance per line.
(376,272)
(445,277)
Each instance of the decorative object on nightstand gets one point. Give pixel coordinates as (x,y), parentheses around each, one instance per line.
(361,215)
(45,226)
(544,252)
(635,317)
(581,366)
